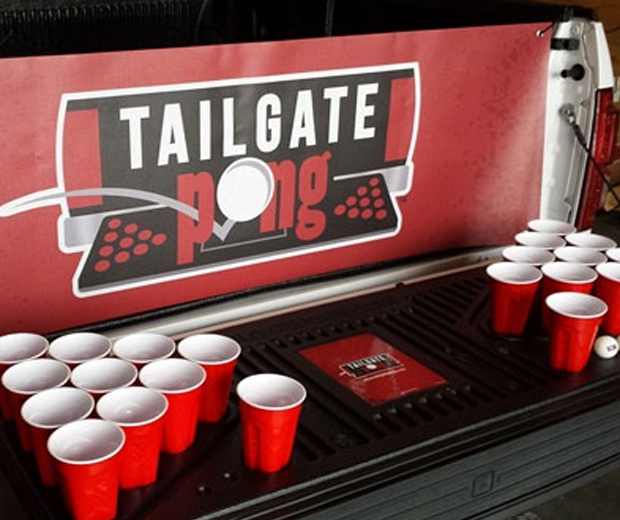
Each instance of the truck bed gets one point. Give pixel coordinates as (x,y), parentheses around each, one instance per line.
(495,432)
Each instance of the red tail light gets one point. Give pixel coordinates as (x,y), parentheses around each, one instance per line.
(605,131)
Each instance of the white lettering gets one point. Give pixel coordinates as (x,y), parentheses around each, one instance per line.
(364,110)
(334,95)
(303,120)
(268,129)
(172,140)
(278,124)
(135,115)
(230,148)
(205,130)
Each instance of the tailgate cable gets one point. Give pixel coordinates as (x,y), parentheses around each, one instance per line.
(568,114)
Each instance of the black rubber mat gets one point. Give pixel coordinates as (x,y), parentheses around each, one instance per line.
(497,428)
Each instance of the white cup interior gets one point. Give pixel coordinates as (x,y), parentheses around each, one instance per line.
(35,376)
(172,375)
(79,347)
(144,347)
(613,254)
(591,240)
(86,442)
(52,408)
(580,255)
(557,227)
(610,270)
(213,349)
(134,406)
(21,346)
(576,305)
(514,273)
(528,255)
(103,375)
(539,239)
(271,391)
(569,272)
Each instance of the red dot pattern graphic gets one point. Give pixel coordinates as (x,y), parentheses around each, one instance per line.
(353,213)
(367,202)
(102,266)
(111,236)
(130,229)
(122,257)
(124,241)
(114,223)
(158,239)
(145,234)
(141,249)
(106,251)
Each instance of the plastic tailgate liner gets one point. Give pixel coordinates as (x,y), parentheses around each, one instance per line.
(494,430)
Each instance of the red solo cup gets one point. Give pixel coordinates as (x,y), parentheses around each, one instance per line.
(580,255)
(48,410)
(86,455)
(565,277)
(270,405)
(15,348)
(591,241)
(608,289)
(79,347)
(144,347)
(546,241)
(100,376)
(218,355)
(535,256)
(574,323)
(181,382)
(513,293)
(613,254)
(548,225)
(28,378)
(140,413)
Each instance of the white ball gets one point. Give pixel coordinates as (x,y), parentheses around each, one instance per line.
(606,347)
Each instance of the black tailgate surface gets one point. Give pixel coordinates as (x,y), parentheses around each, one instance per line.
(496,429)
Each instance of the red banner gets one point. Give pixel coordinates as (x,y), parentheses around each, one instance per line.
(138,180)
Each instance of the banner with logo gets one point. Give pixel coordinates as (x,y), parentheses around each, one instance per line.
(138,180)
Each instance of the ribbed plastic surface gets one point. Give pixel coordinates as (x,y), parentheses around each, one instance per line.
(29,29)
(503,430)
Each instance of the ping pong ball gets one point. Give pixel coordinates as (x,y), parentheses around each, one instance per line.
(606,347)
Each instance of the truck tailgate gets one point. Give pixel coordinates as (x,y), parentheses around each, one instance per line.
(494,429)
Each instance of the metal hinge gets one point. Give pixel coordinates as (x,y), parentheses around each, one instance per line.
(565,44)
